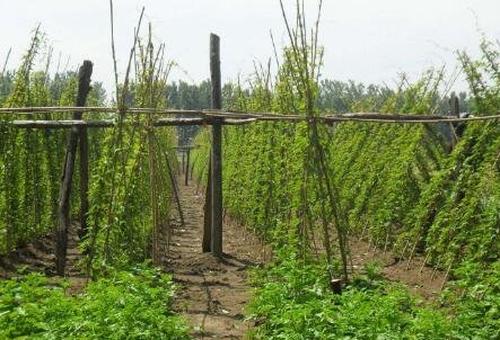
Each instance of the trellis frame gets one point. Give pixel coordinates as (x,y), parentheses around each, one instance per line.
(215,117)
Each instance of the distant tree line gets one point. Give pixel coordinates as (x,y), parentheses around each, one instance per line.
(56,85)
(184,96)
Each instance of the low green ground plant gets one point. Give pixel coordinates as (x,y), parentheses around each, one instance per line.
(293,300)
(123,304)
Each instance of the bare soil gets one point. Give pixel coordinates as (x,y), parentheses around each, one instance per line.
(422,281)
(39,256)
(212,292)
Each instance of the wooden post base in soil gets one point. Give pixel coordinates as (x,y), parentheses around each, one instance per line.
(69,163)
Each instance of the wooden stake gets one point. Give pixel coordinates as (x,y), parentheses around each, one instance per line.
(445,279)
(404,250)
(216,147)
(67,176)
(412,253)
(435,269)
(424,263)
(386,243)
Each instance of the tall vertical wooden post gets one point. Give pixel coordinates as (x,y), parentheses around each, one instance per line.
(84,180)
(153,198)
(191,171)
(215,74)
(69,163)
(183,167)
(207,223)
(455,111)
(186,179)
(455,105)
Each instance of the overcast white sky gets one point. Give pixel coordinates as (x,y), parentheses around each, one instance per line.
(364,40)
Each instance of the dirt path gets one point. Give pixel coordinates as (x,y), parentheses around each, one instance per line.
(213,293)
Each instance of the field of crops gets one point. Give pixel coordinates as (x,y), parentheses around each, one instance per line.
(129,202)
(406,189)
(375,229)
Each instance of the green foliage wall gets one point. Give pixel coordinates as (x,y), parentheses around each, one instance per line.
(130,186)
(30,163)
(398,184)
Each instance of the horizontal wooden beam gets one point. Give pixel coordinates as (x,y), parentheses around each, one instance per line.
(185,147)
(107,123)
(408,120)
(230,119)
(58,124)
(236,118)
(95,109)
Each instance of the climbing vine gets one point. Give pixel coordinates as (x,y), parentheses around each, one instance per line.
(402,187)
(130,184)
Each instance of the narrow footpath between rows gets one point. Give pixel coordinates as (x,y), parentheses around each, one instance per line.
(212,293)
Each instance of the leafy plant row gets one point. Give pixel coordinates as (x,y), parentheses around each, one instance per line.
(31,160)
(294,301)
(130,164)
(404,187)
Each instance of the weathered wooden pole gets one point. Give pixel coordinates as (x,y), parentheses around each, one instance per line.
(186,180)
(207,223)
(175,189)
(455,105)
(215,74)
(65,192)
(191,171)
(84,180)
(183,160)
(153,198)
(455,111)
